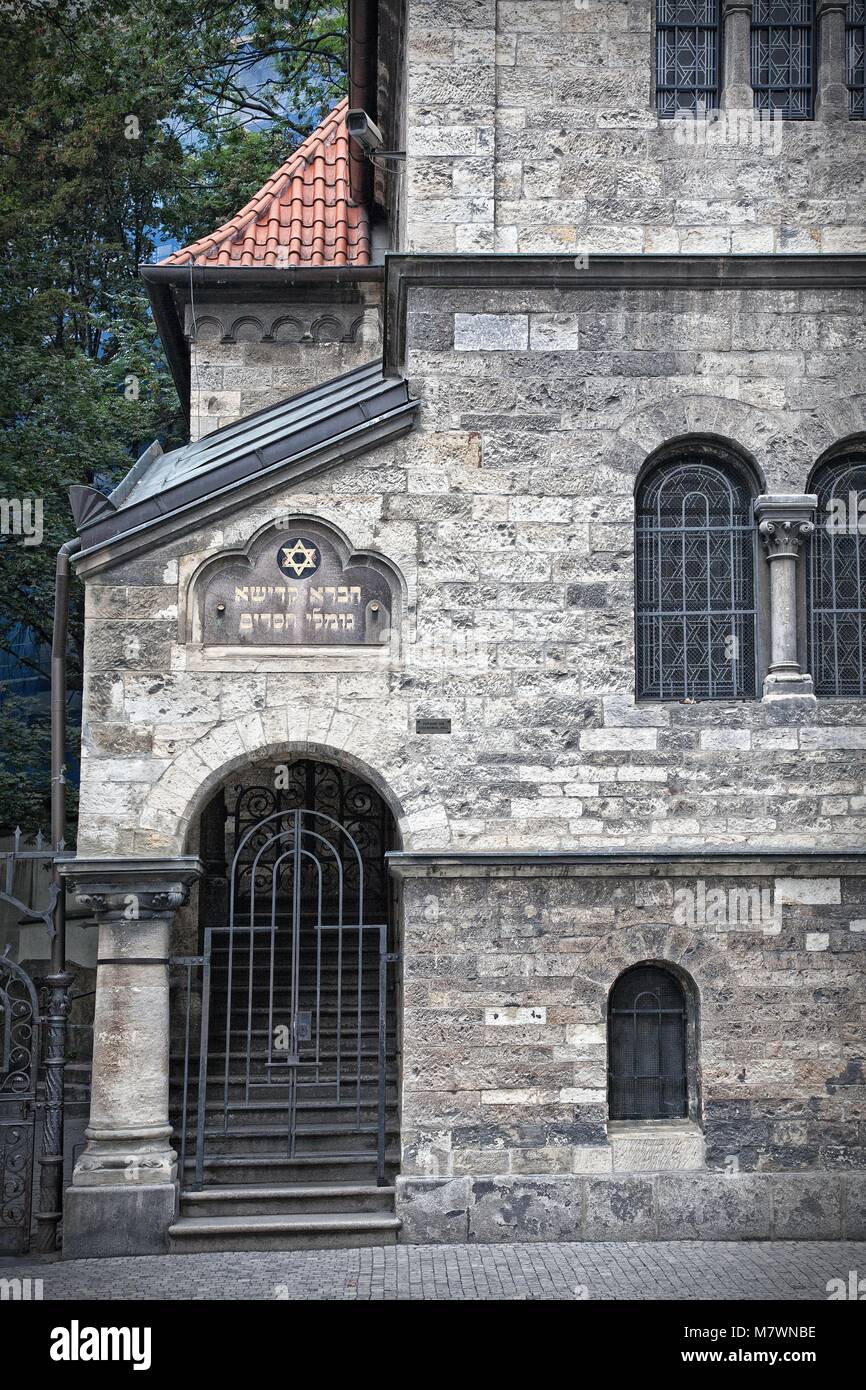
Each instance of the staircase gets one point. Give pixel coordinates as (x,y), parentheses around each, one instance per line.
(256,1193)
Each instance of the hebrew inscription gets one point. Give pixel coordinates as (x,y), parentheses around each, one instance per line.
(295,591)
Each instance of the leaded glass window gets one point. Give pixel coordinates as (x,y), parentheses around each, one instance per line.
(695,578)
(857,59)
(783,41)
(687,56)
(647,1046)
(837,580)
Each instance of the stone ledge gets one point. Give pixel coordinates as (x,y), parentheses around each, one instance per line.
(648,1206)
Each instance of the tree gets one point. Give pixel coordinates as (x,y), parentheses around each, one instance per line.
(122,127)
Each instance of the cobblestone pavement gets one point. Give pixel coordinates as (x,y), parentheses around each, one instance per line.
(658,1270)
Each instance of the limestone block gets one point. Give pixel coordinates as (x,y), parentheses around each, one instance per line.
(433,1212)
(525,1209)
(490,332)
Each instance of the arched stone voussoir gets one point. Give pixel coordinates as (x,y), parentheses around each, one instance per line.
(331,734)
(661,422)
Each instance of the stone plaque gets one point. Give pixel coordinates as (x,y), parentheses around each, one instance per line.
(294,590)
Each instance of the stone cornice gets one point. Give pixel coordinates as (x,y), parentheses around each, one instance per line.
(662,863)
(169,288)
(845,270)
(132,889)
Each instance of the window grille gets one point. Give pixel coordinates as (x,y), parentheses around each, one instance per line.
(695,580)
(647,1046)
(856,34)
(687,56)
(836,581)
(783,62)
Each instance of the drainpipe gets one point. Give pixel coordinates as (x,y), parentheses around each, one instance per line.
(363,54)
(51,1163)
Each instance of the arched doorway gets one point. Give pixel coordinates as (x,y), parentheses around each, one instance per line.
(647,1027)
(292,1077)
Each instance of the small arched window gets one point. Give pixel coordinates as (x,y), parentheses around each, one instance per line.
(695,582)
(647,1046)
(687,56)
(783,57)
(837,579)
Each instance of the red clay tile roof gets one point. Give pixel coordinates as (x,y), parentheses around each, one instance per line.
(304,207)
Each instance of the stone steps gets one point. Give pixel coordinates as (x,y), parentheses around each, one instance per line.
(293,1231)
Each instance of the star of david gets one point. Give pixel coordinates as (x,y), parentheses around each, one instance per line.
(298,558)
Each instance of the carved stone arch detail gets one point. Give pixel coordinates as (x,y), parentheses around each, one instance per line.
(243,321)
(327,732)
(328,329)
(286,321)
(197,336)
(728,424)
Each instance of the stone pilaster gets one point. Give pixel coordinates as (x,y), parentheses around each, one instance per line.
(124,1189)
(737,50)
(785,522)
(831,97)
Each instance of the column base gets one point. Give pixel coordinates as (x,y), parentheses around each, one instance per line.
(131,1220)
(783,684)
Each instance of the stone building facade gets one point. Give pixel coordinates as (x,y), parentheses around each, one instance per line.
(566,808)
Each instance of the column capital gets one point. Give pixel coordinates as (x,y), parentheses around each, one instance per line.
(785,521)
(132,889)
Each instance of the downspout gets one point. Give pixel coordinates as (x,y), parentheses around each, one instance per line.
(363,55)
(51,1163)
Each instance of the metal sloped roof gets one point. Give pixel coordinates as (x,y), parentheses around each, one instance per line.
(316,429)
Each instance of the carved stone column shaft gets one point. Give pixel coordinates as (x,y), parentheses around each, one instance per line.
(737,48)
(831,97)
(124,1189)
(785,522)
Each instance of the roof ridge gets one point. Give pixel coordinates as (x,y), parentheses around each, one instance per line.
(335,232)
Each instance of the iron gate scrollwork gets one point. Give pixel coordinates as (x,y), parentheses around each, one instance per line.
(293,983)
(19,1064)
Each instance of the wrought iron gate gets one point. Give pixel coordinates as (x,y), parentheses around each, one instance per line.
(293,989)
(19,1064)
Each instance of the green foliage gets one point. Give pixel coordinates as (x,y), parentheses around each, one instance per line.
(122,126)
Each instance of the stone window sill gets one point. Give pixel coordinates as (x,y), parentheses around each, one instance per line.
(648,1146)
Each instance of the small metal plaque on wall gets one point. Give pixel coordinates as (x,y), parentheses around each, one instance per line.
(432,726)
(294,590)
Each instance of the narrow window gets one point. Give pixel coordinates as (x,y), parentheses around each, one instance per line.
(695,581)
(857,59)
(836,580)
(783,61)
(647,1046)
(687,56)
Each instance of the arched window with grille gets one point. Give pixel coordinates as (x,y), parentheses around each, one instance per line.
(687,56)
(647,1069)
(783,57)
(836,579)
(695,582)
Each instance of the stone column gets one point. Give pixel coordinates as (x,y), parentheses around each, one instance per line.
(124,1189)
(831,96)
(785,522)
(737,49)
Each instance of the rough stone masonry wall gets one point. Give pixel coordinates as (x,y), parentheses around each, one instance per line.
(504,1116)
(509,511)
(246,356)
(531,126)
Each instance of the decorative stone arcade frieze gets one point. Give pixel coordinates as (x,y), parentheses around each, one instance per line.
(124,1189)
(785,522)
